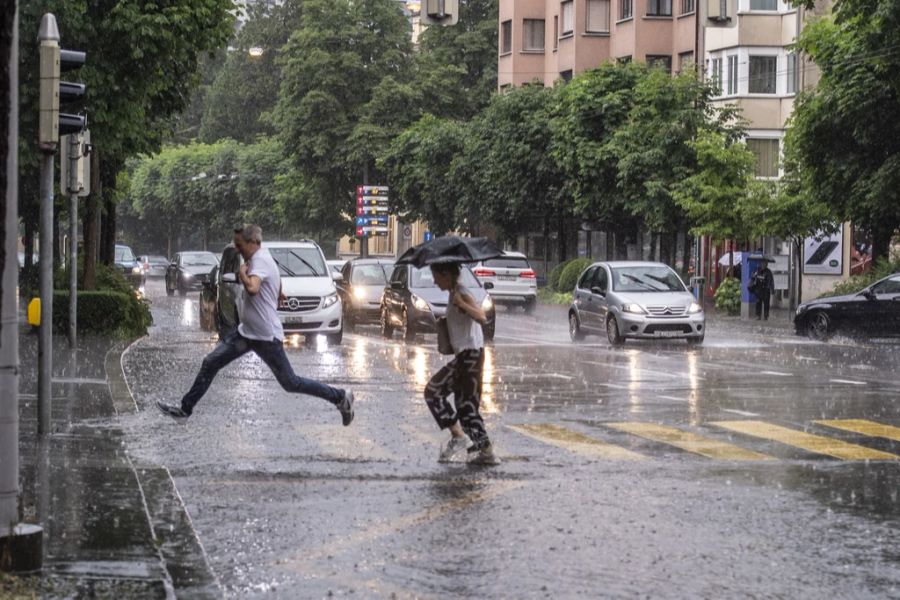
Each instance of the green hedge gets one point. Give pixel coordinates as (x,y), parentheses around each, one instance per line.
(728,296)
(104,312)
(854,284)
(553,278)
(569,276)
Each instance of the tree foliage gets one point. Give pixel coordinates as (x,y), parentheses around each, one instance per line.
(843,146)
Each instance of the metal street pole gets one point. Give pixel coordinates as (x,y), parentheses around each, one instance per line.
(48,138)
(74,155)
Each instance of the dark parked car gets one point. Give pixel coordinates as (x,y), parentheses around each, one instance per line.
(220,295)
(873,312)
(361,287)
(412,301)
(154,265)
(188,271)
(129,266)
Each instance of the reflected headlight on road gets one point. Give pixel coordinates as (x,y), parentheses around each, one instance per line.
(633,308)
(694,308)
(419,303)
(359,293)
(136,270)
(487,303)
(329,300)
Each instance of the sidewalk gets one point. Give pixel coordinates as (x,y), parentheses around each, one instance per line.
(110,530)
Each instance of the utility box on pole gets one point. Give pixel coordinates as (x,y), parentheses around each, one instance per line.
(439,12)
(75,148)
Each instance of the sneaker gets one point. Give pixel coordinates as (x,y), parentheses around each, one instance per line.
(171,410)
(486,457)
(453,447)
(346,407)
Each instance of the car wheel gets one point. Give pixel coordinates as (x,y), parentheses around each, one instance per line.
(575,332)
(487,331)
(334,339)
(409,332)
(612,332)
(529,305)
(695,341)
(387,330)
(169,291)
(349,324)
(818,326)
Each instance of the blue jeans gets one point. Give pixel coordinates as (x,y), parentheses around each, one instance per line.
(233,346)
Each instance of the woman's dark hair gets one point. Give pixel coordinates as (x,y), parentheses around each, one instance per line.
(451,268)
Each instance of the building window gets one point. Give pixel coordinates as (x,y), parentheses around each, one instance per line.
(505,37)
(555,32)
(568,17)
(715,75)
(732,75)
(566,75)
(688,6)
(718,10)
(763,4)
(793,72)
(660,61)
(766,151)
(762,74)
(597,16)
(626,10)
(533,38)
(659,8)
(685,61)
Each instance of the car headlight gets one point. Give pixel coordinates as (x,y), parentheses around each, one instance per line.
(359,293)
(419,303)
(329,300)
(487,303)
(802,308)
(187,275)
(694,308)
(136,270)
(633,308)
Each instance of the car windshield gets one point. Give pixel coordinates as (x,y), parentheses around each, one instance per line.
(157,259)
(369,275)
(200,259)
(508,262)
(299,262)
(646,279)
(422,278)
(124,254)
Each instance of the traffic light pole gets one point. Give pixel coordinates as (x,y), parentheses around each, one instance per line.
(45,341)
(73,156)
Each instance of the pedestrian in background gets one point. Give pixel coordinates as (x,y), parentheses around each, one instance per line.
(462,375)
(762,285)
(259,331)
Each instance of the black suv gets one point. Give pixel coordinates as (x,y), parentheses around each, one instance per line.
(412,301)
(128,265)
(221,294)
(189,271)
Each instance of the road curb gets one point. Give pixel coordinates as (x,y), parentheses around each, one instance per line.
(183,557)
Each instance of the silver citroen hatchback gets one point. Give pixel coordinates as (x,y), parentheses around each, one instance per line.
(631,299)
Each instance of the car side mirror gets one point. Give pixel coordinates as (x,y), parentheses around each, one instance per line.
(229,278)
(337,277)
(396,285)
(869,294)
(598,291)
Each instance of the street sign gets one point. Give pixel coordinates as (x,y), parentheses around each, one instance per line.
(428,236)
(372,211)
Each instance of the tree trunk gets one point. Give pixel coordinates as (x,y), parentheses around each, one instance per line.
(561,238)
(686,252)
(653,238)
(881,242)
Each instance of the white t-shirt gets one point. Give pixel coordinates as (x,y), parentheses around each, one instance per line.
(465,332)
(259,316)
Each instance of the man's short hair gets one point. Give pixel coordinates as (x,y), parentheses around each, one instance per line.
(250,233)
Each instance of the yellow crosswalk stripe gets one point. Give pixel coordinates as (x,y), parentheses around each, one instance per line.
(806,441)
(574,441)
(688,441)
(870,428)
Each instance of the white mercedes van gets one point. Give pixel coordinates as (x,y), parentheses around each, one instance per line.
(312,306)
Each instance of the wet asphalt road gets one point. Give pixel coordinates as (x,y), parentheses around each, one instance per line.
(755,465)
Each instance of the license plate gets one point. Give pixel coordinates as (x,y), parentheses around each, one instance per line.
(293,319)
(506,278)
(668,333)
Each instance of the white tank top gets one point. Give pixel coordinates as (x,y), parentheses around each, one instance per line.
(465,332)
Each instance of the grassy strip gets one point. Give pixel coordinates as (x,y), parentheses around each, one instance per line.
(548,296)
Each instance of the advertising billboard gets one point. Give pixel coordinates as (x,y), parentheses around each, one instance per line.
(824,254)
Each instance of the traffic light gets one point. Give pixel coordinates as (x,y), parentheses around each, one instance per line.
(439,12)
(53,91)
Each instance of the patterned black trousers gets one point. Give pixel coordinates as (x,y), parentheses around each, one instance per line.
(461,377)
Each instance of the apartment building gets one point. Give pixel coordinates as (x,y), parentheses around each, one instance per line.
(545,40)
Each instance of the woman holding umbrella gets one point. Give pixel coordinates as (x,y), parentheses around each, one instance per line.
(462,375)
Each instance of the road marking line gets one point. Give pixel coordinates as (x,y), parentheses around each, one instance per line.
(539,375)
(672,398)
(850,381)
(743,413)
(573,441)
(352,446)
(422,517)
(688,441)
(806,441)
(870,428)
(776,373)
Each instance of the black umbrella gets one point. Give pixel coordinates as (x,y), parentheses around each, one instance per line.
(450,249)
